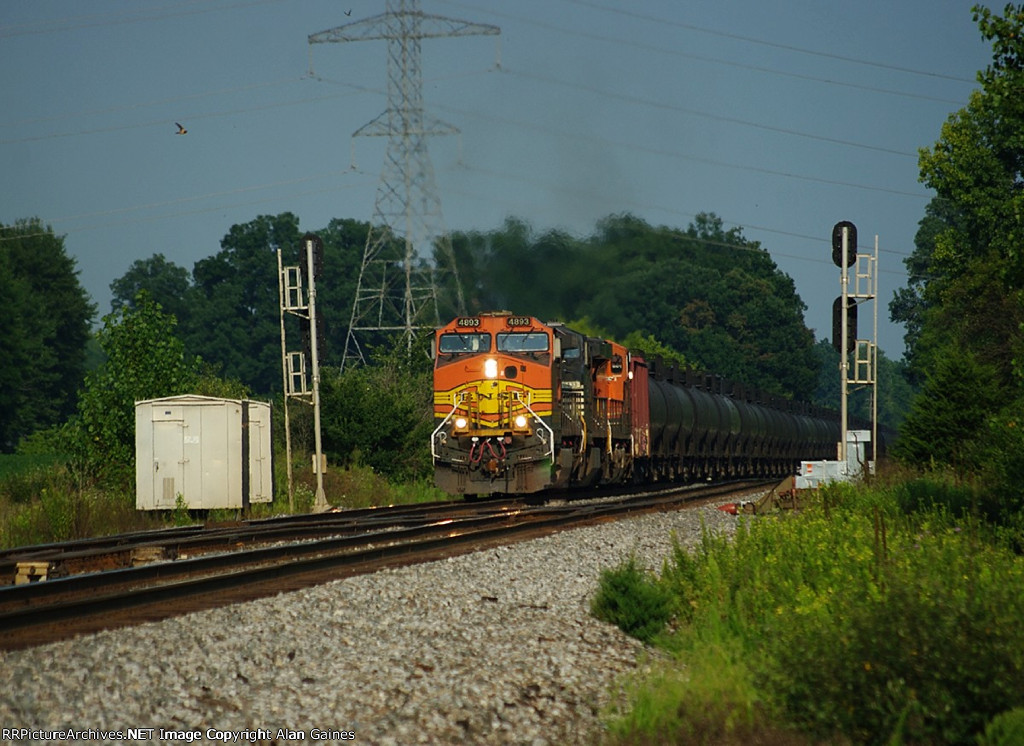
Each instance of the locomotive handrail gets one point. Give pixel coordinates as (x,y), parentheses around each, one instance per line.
(433,435)
(551,443)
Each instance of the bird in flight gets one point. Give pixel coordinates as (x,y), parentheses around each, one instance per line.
(181,130)
(348,12)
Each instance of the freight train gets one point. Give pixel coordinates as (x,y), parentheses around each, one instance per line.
(522,406)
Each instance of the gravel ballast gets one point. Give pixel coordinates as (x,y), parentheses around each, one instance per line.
(489,648)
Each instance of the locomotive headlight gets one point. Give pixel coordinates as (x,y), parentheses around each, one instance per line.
(460,423)
(521,421)
(491,368)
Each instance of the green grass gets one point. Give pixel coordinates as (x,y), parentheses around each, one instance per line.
(12,464)
(858,620)
(41,501)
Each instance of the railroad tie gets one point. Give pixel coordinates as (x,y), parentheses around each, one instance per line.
(31,572)
(147,555)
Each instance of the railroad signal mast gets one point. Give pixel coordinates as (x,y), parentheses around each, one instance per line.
(863,372)
(301,369)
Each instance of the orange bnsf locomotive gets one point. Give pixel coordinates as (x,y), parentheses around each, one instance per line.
(522,406)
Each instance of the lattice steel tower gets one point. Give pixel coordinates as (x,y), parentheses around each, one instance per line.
(408,249)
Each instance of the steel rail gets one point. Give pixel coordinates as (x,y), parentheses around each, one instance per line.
(118,551)
(50,610)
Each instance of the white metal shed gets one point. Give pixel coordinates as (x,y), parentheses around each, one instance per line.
(215,453)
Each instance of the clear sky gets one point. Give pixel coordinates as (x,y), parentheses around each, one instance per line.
(780,117)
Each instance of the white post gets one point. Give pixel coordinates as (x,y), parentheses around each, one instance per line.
(320,505)
(284,376)
(874,368)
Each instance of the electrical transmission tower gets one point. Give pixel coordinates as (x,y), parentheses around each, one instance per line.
(408,249)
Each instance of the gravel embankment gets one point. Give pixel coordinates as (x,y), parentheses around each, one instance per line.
(489,648)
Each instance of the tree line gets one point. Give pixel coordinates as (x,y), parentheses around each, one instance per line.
(715,298)
(703,297)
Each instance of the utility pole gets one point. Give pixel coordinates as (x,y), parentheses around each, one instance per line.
(397,288)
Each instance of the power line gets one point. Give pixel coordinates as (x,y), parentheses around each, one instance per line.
(825,241)
(661,21)
(146,104)
(707,115)
(596,91)
(163,121)
(605,142)
(775,45)
(196,198)
(74,23)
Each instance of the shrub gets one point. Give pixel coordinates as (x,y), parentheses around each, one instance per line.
(1006,729)
(927,648)
(853,621)
(380,417)
(861,621)
(630,599)
(1000,458)
(933,492)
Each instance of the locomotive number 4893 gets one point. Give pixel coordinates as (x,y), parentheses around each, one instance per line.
(518,321)
(468,322)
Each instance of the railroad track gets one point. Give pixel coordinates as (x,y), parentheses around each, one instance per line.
(99,554)
(306,550)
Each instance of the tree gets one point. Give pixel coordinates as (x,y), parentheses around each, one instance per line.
(164,282)
(235,318)
(15,356)
(910,305)
(144,360)
(965,300)
(227,308)
(957,399)
(707,293)
(45,331)
(381,415)
(975,169)
(343,245)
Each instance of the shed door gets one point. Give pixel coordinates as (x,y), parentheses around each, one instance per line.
(168,455)
(260,490)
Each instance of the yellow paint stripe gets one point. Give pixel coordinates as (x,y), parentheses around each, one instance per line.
(487,404)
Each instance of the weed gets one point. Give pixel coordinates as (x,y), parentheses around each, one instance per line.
(864,623)
(629,598)
(180,515)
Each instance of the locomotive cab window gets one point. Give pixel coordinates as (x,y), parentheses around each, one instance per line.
(522,342)
(462,344)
